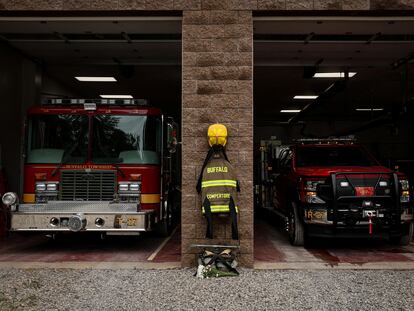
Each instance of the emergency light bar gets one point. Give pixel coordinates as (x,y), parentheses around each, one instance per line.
(101,101)
(330,140)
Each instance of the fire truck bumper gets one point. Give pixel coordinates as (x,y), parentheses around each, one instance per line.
(81,216)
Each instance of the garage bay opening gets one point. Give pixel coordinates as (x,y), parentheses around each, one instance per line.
(334,147)
(94,108)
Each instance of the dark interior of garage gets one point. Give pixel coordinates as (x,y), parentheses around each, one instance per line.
(358,81)
(40,58)
(379,97)
(375,103)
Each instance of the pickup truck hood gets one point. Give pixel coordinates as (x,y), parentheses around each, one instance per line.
(326,171)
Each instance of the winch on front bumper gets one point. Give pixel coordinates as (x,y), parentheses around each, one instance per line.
(81,216)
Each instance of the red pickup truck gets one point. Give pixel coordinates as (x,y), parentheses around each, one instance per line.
(335,188)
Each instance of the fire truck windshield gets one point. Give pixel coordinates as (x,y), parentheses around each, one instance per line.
(126,139)
(57,139)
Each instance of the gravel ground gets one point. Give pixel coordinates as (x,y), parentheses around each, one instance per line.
(51,289)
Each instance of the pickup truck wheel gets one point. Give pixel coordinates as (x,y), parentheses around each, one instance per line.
(406,238)
(296,229)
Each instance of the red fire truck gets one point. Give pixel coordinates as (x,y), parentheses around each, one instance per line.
(102,165)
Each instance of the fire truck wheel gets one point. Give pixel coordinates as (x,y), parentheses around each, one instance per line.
(406,238)
(166,225)
(296,229)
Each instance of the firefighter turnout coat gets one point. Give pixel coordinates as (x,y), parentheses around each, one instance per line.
(219,188)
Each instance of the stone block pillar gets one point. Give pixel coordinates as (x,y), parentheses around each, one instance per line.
(217,86)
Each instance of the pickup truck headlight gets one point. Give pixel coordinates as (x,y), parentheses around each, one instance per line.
(405,185)
(310,185)
(405,194)
(310,195)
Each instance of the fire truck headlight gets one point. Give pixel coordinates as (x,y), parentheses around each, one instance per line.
(40,186)
(134,187)
(51,186)
(129,191)
(46,191)
(9,198)
(123,187)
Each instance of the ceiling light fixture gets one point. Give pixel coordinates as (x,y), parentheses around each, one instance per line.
(117,96)
(305,97)
(96,79)
(333,74)
(369,109)
(290,110)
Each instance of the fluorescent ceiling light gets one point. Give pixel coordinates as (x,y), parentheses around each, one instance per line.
(305,97)
(290,110)
(117,96)
(96,79)
(333,74)
(369,109)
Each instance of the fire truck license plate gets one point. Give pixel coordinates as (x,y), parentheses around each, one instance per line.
(122,222)
(132,221)
(364,191)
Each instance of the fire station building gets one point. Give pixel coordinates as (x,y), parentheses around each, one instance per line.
(235,62)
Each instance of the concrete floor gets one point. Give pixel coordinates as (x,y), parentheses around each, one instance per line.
(272,251)
(90,248)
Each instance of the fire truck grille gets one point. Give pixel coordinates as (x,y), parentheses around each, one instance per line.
(88,186)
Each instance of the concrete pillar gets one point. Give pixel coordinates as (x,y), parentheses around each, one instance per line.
(217,86)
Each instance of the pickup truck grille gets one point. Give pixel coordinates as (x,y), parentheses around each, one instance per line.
(370,180)
(87,186)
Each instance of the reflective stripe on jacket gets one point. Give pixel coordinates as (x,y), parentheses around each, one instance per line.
(218,184)
(220,209)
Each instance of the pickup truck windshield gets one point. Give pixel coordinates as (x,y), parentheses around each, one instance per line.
(332,156)
(126,139)
(57,139)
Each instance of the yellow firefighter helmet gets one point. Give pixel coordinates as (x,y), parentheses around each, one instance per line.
(217,135)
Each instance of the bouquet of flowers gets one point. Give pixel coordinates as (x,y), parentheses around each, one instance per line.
(212,264)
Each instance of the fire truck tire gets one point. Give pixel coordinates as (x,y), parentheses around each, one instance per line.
(406,238)
(296,228)
(166,225)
